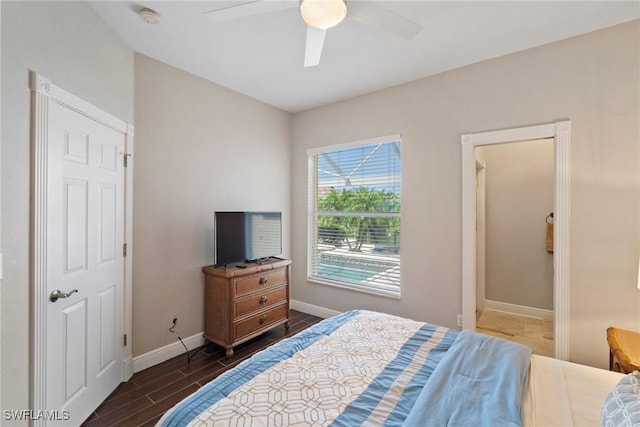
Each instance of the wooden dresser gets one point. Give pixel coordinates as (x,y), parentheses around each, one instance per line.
(242,303)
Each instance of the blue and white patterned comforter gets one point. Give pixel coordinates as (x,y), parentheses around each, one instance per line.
(358,368)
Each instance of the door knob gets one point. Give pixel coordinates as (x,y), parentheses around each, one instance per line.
(58,294)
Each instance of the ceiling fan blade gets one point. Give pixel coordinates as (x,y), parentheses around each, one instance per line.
(313,50)
(250,8)
(378,17)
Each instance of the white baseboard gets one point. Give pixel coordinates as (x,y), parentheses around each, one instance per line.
(313,309)
(165,353)
(162,354)
(519,310)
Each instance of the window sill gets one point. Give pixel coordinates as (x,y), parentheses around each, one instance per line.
(350,287)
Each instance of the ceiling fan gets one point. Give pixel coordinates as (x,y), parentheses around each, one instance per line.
(320,15)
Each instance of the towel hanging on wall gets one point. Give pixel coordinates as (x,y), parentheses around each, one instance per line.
(549,238)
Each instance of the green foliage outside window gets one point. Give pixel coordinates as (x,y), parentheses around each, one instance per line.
(358,230)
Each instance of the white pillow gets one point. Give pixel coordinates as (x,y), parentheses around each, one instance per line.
(622,406)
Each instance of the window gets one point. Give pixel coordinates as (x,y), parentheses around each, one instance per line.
(354,215)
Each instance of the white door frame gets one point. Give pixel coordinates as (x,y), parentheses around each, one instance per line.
(43,92)
(481,234)
(561,132)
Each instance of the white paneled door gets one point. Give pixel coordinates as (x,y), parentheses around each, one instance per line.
(84,263)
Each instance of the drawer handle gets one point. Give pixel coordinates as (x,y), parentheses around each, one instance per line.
(263,299)
(263,280)
(263,319)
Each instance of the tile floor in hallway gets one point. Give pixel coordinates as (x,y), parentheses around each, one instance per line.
(535,333)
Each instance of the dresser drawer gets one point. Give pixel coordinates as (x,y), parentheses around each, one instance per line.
(259,300)
(260,321)
(246,285)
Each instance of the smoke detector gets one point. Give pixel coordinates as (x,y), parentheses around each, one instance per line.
(150,16)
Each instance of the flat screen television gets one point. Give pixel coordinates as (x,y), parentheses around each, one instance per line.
(246,236)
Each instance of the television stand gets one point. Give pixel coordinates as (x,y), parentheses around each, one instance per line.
(242,302)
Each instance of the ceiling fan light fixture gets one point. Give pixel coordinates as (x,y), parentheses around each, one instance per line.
(323,14)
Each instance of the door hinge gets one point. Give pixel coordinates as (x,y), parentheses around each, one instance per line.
(125,340)
(124,250)
(126,159)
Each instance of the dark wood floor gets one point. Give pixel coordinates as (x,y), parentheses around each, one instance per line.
(148,394)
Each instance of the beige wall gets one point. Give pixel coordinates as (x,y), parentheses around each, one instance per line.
(594,80)
(519,196)
(68,43)
(199,148)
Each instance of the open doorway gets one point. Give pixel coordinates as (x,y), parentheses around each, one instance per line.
(560,133)
(514,279)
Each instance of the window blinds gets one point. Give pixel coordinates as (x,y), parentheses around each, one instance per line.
(355,216)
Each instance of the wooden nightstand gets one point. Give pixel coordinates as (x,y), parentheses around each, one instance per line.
(624,350)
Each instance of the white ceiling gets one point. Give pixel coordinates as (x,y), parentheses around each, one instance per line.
(262,56)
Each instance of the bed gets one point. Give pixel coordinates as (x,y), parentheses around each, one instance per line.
(369,368)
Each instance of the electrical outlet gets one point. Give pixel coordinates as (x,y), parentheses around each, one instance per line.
(459,320)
